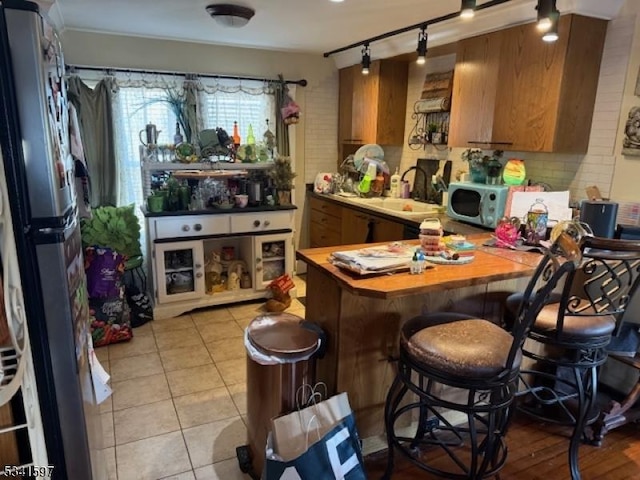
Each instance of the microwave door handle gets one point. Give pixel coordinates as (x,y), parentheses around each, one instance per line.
(481,208)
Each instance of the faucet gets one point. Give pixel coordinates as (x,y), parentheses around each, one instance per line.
(415,194)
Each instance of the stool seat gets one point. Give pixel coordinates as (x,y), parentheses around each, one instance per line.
(456,383)
(580,325)
(472,348)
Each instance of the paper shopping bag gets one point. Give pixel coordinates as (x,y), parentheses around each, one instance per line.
(295,432)
(336,456)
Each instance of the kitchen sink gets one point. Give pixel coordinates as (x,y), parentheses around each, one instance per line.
(404,207)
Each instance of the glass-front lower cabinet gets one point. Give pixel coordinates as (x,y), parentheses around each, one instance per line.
(274,257)
(179,271)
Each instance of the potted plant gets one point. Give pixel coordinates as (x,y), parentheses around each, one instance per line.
(432,128)
(282,176)
(479,162)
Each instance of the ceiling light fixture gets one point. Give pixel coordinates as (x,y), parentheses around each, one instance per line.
(467,8)
(545,8)
(422,46)
(336,1)
(551,35)
(230,15)
(366,59)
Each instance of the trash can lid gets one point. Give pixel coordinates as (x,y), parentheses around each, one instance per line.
(282,334)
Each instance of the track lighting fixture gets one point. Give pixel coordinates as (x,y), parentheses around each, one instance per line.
(551,35)
(467,8)
(366,59)
(545,8)
(422,46)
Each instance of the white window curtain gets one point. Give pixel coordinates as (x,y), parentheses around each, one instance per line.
(221,102)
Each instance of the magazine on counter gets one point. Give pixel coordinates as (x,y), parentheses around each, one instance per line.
(389,258)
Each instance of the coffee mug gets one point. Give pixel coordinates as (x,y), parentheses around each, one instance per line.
(242,200)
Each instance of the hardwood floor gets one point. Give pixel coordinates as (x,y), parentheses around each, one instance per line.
(539,451)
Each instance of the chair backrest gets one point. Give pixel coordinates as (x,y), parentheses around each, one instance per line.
(557,265)
(605,282)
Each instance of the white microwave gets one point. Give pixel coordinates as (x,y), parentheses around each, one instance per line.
(477,203)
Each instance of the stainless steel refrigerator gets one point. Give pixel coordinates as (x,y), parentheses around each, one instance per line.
(34,137)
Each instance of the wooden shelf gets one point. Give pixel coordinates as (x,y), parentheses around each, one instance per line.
(206,166)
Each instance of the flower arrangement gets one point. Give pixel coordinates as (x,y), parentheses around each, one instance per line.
(477,158)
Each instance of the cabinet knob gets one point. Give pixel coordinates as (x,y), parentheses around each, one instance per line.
(186,228)
(256,223)
(197,227)
(267,223)
(199,275)
(258,269)
(198,265)
(258,260)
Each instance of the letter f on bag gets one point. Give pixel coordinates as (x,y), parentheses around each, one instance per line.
(340,469)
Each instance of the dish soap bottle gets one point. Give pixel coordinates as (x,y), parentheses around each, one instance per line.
(395,185)
(365,183)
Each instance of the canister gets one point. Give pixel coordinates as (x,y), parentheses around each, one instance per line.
(536,222)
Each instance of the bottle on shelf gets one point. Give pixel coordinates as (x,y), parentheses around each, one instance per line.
(236,135)
(251,140)
(177,138)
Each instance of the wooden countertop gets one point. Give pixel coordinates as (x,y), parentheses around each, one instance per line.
(489,265)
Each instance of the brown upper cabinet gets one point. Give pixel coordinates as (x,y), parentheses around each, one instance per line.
(513,91)
(373,107)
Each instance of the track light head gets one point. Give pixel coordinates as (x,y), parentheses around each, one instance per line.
(467,9)
(545,8)
(551,35)
(422,46)
(366,59)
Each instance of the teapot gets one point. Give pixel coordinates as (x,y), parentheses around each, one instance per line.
(151,135)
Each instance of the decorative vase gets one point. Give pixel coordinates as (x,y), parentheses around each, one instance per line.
(494,169)
(284,197)
(478,175)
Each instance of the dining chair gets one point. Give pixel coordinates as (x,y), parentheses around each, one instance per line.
(617,413)
(567,342)
(457,375)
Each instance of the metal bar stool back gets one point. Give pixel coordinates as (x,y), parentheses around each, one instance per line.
(451,401)
(569,338)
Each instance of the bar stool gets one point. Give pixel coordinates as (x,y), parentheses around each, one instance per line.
(570,335)
(467,366)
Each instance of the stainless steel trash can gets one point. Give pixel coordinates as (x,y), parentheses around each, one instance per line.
(289,343)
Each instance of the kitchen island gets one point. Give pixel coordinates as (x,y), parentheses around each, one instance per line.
(362,316)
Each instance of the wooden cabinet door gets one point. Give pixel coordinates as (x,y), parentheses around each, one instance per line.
(392,102)
(345,105)
(475,84)
(179,270)
(355,227)
(530,78)
(365,104)
(387,231)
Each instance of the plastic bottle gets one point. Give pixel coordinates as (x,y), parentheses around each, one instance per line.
(177,138)
(365,183)
(251,140)
(395,185)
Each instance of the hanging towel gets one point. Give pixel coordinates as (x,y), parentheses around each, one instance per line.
(82,181)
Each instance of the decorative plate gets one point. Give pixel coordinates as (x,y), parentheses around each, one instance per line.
(444,261)
(186,153)
(372,151)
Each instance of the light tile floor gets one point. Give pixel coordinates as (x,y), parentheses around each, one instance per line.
(178,410)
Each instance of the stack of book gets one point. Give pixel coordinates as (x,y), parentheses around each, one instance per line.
(462,247)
